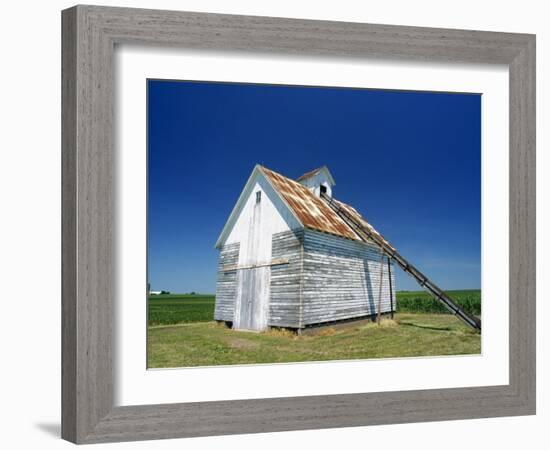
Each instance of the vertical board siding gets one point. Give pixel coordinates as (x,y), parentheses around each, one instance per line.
(252,298)
(226,288)
(341,279)
(274,217)
(284,302)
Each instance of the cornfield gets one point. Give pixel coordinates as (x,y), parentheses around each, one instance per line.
(423,302)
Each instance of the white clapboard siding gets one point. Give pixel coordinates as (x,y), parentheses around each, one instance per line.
(284,298)
(341,279)
(327,278)
(226,289)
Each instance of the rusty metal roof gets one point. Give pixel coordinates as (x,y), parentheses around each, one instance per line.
(311,210)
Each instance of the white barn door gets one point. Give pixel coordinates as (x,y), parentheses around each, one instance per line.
(253,279)
(253,298)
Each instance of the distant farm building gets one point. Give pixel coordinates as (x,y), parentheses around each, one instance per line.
(287,259)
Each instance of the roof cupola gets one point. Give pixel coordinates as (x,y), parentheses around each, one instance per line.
(318,181)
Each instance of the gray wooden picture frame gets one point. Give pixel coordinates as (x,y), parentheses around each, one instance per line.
(89,37)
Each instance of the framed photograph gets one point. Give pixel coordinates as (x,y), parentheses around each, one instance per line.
(267,222)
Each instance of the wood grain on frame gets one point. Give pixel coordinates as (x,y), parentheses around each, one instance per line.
(89,36)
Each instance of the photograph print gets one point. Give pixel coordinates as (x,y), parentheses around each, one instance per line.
(311,223)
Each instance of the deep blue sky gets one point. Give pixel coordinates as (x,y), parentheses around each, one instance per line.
(410,162)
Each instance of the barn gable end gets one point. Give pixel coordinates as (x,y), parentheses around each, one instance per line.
(260,214)
(276,216)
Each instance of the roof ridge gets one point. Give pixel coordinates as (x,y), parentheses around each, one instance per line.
(287,178)
(310,173)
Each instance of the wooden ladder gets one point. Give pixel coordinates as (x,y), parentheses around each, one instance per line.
(371,237)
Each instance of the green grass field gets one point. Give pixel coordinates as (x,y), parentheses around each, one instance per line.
(182,334)
(171,309)
(209,344)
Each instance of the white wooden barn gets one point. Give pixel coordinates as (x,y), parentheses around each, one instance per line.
(288,260)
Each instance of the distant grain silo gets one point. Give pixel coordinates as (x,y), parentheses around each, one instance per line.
(288,259)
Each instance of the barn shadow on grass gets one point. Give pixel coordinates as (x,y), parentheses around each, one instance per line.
(425,327)
(368,286)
